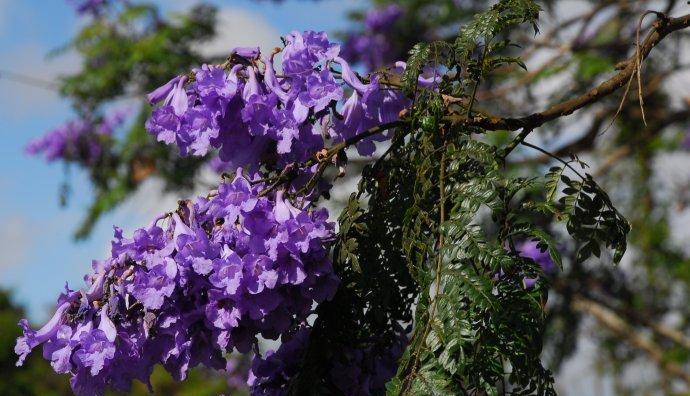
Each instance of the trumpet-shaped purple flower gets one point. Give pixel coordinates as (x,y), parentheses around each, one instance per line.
(95,352)
(58,350)
(190,287)
(227,273)
(305,50)
(32,339)
(529,249)
(163,91)
(320,90)
(247,52)
(368,106)
(151,286)
(249,113)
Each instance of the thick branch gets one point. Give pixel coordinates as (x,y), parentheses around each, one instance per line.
(660,29)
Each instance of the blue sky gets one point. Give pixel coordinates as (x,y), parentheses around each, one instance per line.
(37,252)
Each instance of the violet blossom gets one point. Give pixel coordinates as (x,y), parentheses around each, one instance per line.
(248,113)
(529,249)
(190,287)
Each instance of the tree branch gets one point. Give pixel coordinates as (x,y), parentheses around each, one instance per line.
(618,326)
(660,29)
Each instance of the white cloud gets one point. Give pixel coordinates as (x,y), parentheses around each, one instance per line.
(240,28)
(236,28)
(15,241)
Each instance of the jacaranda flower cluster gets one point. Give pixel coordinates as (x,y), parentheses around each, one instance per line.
(194,284)
(78,140)
(250,259)
(249,112)
(529,249)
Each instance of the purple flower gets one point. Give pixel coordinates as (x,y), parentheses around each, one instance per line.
(152,286)
(219,166)
(272,83)
(368,106)
(93,7)
(177,97)
(163,91)
(321,90)
(80,140)
(529,249)
(222,311)
(188,291)
(382,18)
(32,339)
(58,350)
(201,130)
(257,273)
(353,81)
(95,351)
(215,87)
(372,46)
(227,272)
(249,114)
(164,124)
(304,50)
(429,79)
(247,52)
(110,122)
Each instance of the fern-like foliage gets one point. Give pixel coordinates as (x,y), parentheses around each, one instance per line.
(477,327)
(475,320)
(589,214)
(426,249)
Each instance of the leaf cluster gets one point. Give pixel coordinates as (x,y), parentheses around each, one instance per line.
(477,327)
(589,215)
(373,306)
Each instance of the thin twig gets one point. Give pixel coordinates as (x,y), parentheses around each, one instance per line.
(559,159)
(620,106)
(638,62)
(515,142)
